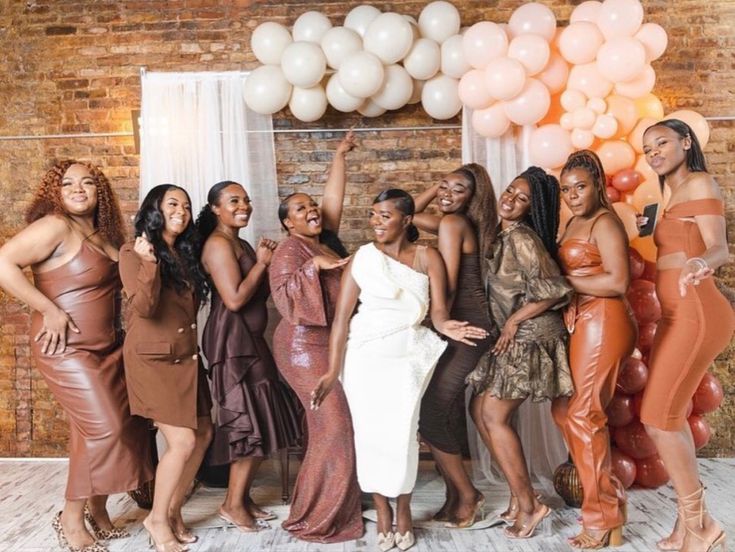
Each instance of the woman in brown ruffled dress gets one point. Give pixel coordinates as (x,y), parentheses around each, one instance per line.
(305,279)
(256,413)
(71,245)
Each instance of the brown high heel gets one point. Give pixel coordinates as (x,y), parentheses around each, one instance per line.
(611,537)
(103,534)
(64,543)
(692,507)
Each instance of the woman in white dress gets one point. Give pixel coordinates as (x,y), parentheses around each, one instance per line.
(389,356)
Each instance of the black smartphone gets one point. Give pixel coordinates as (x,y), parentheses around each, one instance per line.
(649,211)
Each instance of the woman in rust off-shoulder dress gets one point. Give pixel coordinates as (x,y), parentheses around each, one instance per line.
(71,245)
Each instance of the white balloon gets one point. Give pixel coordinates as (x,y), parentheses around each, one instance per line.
(338,97)
(389,37)
(418,88)
(370,109)
(359,18)
(423,59)
(440,97)
(339,43)
(267,90)
(439,20)
(414,27)
(396,90)
(311,27)
(308,104)
(531,50)
(361,74)
(303,64)
(268,42)
(454,63)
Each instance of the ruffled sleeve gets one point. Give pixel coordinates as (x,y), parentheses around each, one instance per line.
(295,285)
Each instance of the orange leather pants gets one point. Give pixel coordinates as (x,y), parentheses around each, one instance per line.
(604,335)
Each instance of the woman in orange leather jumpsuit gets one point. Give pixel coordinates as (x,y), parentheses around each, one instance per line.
(594,256)
(697,322)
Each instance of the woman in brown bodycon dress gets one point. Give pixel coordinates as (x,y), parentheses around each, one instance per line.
(594,257)
(71,245)
(304,279)
(697,320)
(257,414)
(466,230)
(164,284)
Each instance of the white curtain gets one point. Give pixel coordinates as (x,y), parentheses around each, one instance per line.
(196,130)
(505,158)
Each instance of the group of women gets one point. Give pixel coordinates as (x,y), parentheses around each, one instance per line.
(524,316)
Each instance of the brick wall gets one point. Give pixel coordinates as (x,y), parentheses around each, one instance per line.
(73,67)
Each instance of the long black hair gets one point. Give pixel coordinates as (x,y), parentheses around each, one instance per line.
(404,203)
(543,215)
(327,237)
(694,156)
(206,220)
(187,271)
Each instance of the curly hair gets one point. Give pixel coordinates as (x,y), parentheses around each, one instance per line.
(327,237)
(694,157)
(108,219)
(405,204)
(206,220)
(543,215)
(588,161)
(482,208)
(177,274)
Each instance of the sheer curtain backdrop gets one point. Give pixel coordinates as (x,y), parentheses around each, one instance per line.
(196,131)
(505,158)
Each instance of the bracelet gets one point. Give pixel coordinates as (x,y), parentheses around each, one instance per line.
(699,261)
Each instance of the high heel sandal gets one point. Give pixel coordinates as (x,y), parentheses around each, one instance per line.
(527,530)
(670,543)
(511,514)
(169,546)
(692,507)
(478,513)
(585,541)
(64,543)
(386,541)
(242,528)
(186,536)
(406,540)
(104,534)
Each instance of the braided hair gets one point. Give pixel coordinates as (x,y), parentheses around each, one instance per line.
(543,214)
(588,161)
(694,156)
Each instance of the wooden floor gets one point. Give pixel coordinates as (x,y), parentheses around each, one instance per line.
(31,491)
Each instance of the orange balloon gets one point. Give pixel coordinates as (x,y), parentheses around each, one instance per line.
(635,138)
(696,121)
(627,214)
(646,193)
(615,156)
(649,106)
(642,166)
(625,112)
(553,115)
(645,246)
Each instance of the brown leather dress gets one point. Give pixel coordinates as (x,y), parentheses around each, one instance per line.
(603,334)
(326,499)
(693,329)
(109,449)
(257,414)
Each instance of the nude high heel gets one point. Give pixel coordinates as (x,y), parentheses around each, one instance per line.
(386,541)
(406,540)
(478,514)
(611,537)
(692,507)
(527,529)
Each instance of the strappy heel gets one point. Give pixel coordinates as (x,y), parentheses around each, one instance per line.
(527,530)
(585,541)
(692,507)
(669,543)
(103,534)
(64,543)
(511,513)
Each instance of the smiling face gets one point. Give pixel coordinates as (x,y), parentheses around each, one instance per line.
(176,211)
(665,149)
(515,201)
(388,223)
(579,193)
(233,207)
(78,191)
(304,216)
(454,193)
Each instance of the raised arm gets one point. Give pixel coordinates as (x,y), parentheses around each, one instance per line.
(141,277)
(334,189)
(220,262)
(425,221)
(33,245)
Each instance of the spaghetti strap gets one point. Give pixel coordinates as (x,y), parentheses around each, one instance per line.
(592,226)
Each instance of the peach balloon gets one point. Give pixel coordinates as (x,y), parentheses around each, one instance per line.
(583,118)
(697,122)
(549,146)
(620,18)
(582,139)
(532,51)
(580,41)
(646,247)
(483,42)
(642,166)
(490,122)
(621,59)
(567,121)
(606,126)
(635,138)
(586,78)
(572,100)
(533,18)
(650,106)
(555,112)
(654,40)
(597,105)
(646,193)
(639,86)
(628,215)
(555,74)
(472,90)
(615,156)
(505,78)
(624,111)
(530,105)
(586,11)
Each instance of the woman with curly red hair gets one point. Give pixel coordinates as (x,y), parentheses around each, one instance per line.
(71,245)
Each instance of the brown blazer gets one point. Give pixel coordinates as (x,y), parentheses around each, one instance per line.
(162,365)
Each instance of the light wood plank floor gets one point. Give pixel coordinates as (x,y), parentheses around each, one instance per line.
(31,491)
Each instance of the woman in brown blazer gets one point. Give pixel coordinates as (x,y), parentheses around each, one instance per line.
(164,284)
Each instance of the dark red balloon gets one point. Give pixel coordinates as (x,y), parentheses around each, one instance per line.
(620,410)
(627,180)
(637,401)
(649,272)
(612,194)
(637,264)
(709,394)
(650,472)
(642,298)
(633,376)
(700,430)
(634,441)
(623,467)
(646,333)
